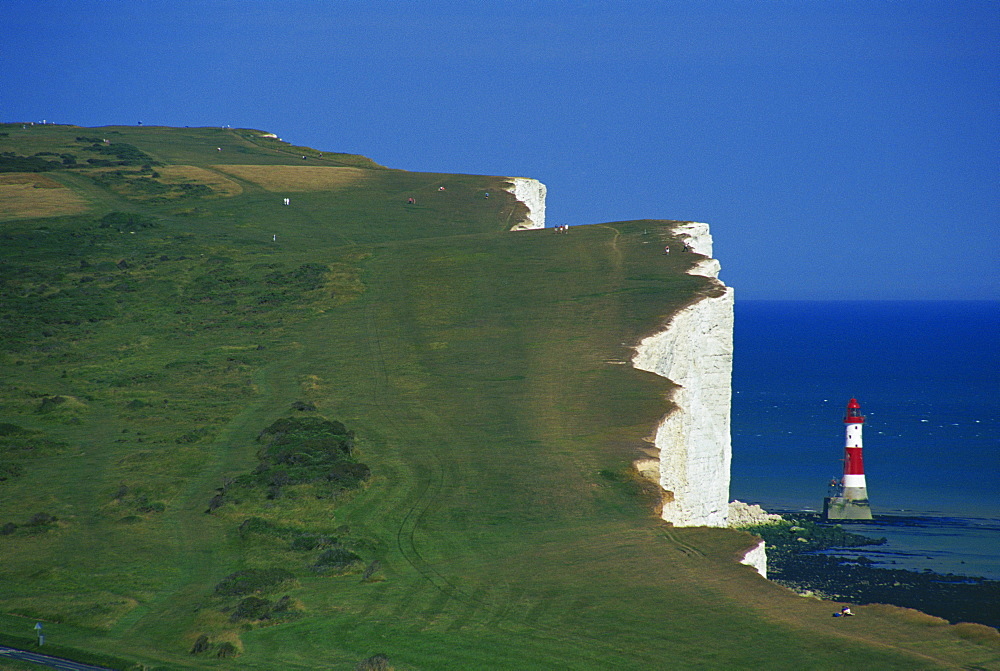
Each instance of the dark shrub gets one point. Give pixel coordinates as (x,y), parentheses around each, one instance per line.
(227,649)
(50,403)
(151,506)
(253,580)
(348,474)
(378,662)
(300,450)
(201,645)
(215,503)
(127,221)
(8,471)
(307,542)
(251,608)
(193,436)
(41,519)
(7,529)
(7,429)
(337,559)
(370,571)
(256,525)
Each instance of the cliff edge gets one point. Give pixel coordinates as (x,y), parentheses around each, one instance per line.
(531,193)
(694,351)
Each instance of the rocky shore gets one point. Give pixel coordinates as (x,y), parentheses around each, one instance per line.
(795,559)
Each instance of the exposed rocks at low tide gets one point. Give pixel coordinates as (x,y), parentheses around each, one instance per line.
(795,560)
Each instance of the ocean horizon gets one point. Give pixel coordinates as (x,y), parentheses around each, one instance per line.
(927,376)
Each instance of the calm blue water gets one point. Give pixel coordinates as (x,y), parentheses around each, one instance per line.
(927,375)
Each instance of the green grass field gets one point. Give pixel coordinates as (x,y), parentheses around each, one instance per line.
(480,370)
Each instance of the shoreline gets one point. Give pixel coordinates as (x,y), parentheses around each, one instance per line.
(795,556)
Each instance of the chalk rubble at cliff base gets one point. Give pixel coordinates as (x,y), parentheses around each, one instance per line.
(749,515)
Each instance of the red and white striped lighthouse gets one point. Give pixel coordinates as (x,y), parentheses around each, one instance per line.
(852,503)
(854,465)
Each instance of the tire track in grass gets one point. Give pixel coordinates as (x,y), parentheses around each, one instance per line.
(686,548)
(430,484)
(484,605)
(545,616)
(481,599)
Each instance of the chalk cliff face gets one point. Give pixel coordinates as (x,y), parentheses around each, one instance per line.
(757,558)
(695,351)
(531,192)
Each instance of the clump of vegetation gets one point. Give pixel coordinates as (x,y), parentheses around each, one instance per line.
(306,277)
(144,184)
(298,540)
(226,650)
(379,662)
(19,445)
(122,153)
(371,573)
(193,436)
(254,608)
(251,608)
(36,524)
(127,221)
(254,581)
(137,500)
(336,560)
(11,162)
(297,451)
(201,645)
(8,429)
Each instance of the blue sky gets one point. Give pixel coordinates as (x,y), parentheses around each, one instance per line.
(838,149)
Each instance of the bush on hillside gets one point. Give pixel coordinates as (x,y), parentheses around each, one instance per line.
(127,221)
(300,450)
(306,277)
(8,429)
(201,645)
(227,649)
(251,608)
(126,154)
(11,162)
(253,581)
(336,559)
(8,471)
(378,662)
(294,440)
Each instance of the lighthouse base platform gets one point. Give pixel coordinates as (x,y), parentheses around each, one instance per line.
(839,508)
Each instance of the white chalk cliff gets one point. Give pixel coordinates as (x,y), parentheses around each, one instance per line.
(531,192)
(757,558)
(694,351)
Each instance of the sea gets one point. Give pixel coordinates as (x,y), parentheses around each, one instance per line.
(927,376)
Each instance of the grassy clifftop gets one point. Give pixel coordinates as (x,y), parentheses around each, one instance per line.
(308,434)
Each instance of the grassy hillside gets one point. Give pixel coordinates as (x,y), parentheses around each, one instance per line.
(197,380)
